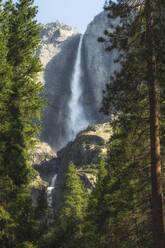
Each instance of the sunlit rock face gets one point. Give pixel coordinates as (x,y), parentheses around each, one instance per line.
(58,54)
(98,63)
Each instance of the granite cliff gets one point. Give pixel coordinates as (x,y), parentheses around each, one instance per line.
(58,54)
(98,64)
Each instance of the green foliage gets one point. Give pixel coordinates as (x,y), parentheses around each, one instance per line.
(127,190)
(95,216)
(67,230)
(119,210)
(20,106)
(73,209)
(74,194)
(24,100)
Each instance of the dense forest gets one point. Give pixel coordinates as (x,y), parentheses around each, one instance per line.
(125,208)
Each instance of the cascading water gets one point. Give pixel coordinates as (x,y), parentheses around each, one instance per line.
(76,116)
(77,119)
(49,191)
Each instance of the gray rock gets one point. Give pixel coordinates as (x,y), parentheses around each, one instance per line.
(44,160)
(98,63)
(42,153)
(85,152)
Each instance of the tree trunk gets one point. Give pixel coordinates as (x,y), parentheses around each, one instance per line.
(157,195)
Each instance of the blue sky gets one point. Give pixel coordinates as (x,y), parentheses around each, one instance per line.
(75,13)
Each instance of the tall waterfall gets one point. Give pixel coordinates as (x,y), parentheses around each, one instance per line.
(77,119)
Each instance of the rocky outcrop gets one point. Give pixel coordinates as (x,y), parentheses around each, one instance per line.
(85,152)
(87,148)
(42,153)
(44,161)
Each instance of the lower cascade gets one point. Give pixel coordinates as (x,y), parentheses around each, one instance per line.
(77,119)
(49,191)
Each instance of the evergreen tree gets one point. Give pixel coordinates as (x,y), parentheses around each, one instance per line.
(136,23)
(95,211)
(157,194)
(70,221)
(119,212)
(20,105)
(73,210)
(6,220)
(25,102)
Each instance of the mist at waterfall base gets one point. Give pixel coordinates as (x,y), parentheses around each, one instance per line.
(77,120)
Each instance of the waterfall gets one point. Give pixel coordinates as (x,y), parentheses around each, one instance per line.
(77,119)
(49,191)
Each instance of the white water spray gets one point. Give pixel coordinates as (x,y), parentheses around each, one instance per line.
(77,119)
(49,191)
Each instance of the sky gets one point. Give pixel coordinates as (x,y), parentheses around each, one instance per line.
(75,13)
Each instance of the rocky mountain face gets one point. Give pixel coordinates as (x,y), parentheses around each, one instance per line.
(85,152)
(58,53)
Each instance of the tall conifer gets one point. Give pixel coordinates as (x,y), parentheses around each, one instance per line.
(137,18)
(25,101)
(20,105)
(69,232)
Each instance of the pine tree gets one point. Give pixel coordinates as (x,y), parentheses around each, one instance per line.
(137,20)
(119,212)
(6,220)
(25,101)
(129,188)
(95,211)
(20,105)
(69,233)
(157,194)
